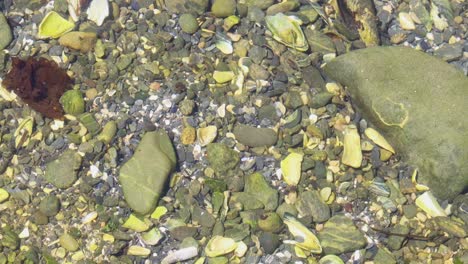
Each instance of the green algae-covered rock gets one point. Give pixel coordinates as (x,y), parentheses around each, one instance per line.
(144,175)
(256,185)
(63,171)
(221,157)
(73,102)
(339,235)
(417,102)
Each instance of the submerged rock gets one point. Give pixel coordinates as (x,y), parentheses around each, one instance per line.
(221,157)
(143,176)
(63,171)
(256,185)
(5,32)
(339,235)
(255,137)
(416,102)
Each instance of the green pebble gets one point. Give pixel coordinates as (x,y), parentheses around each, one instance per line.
(188,23)
(3,195)
(73,102)
(10,239)
(223,8)
(68,242)
(50,205)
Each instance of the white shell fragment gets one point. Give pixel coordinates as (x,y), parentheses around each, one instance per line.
(180,255)
(304,238)
(378,139)
(97,11)
(428,203)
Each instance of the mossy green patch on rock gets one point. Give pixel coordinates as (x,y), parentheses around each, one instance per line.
(416,101)
(221,157)
(256,185)
(143,176)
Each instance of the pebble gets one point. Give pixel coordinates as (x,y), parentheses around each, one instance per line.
(406,22)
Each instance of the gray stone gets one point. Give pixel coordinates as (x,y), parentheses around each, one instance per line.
(310,203)
(63,171)
(254,136)
(415,101)
(449,52)
(339,235)
(5,32)
(321,99)
(187,6)
(144,175)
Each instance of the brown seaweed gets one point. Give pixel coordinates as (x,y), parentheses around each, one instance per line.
(40,83)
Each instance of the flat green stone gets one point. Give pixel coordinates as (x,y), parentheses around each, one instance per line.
(143,176)
(417,102)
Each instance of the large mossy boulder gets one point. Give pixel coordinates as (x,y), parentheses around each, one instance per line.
(418,103)
(144,176)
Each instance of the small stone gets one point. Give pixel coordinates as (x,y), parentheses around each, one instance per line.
(395,242)
(138,251)
(143,176)
(262,4)
(50,205)
(340,235)
(63,171)
(282,7)
(10,239)
(124,61)
(5,32)
(186,107)
(68,242)
(255,137)
(270,222)
(223,8)
(310,203)
(91,93)
(82,41)
(188,23)
(321,99)
(3,195)
(406,22)
(221,157)
(449,52)
(188,135)
(72,102)
(256,185)
(182,232)
(98,11)
(269,242)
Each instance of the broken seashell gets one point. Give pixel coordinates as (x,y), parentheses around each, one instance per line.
(97,11)
(378,139)
(224,45)
(287,30)
(304,238)
(428,203)
(218,246)
(54,26)
(291,168)
(23,132)
(352,155)
(206,135)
